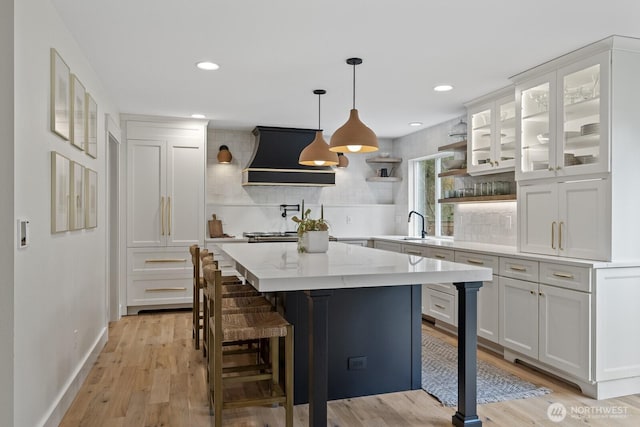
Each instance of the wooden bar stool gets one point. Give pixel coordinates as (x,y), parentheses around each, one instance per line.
(197,288)
(225,328)
(242,298)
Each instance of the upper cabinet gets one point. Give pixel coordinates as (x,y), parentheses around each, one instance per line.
(491,133)
(562,120)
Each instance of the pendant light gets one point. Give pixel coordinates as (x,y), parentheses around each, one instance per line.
(354,136)
(317,153)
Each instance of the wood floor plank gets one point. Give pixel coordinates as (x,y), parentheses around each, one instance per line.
(149,374)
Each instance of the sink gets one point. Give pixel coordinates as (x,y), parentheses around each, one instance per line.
(416,238)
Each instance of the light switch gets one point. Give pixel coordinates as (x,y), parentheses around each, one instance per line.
(23,233)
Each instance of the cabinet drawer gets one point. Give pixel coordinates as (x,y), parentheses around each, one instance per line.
(447,288)
(443,254)
(145,291)
(519,269)
(481,260)
(387,246)
(414,250)
(566,276)
(160,261)
(441,306)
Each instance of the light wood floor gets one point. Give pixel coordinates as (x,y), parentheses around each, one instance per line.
(150,375)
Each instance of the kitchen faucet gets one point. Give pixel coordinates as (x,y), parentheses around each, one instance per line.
(285,209)
(423,232)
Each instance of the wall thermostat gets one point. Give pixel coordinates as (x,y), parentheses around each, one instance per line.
(23,233)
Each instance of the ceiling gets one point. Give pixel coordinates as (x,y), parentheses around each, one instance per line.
(274,53)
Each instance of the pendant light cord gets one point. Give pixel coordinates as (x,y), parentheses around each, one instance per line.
(354,86)
(319,95)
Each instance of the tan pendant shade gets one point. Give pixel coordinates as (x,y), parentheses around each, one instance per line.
(354,137)
(343,161)
(317,153)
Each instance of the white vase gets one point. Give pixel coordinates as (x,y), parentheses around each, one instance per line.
(314,242)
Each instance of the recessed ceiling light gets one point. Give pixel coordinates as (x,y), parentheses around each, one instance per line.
(198,116)
(415,124)
(207,65)
(443,88)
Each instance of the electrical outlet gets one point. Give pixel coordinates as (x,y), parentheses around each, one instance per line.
(75,339)
(357,363)
(349,219)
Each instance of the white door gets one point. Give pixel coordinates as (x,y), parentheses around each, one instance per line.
(519,316)
(185,192)
(565,330)
(538,225)
(583,219)
(488,310)
(146,202)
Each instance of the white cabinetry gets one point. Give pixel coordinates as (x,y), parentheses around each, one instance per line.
(563,120)
(492,133)
(568,219)
(549,323)
(165,207)
(577,120)
(488,295)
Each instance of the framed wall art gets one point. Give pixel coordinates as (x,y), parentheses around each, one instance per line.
(78,94)
(91,127)
(91,198)
(60,186)
(76,197)
(60,96)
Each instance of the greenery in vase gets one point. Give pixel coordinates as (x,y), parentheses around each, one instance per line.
(307,224)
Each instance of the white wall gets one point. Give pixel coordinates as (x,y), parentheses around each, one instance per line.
(7,239)
(369,205)
(60,289)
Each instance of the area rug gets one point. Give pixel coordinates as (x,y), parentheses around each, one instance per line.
(440,376)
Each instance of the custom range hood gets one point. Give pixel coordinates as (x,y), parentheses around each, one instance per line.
(275,159)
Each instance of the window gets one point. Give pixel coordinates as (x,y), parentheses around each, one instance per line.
(425,189)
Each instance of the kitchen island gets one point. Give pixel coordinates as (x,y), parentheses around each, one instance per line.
(360,277)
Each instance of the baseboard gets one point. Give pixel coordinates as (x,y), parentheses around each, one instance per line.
(69,392)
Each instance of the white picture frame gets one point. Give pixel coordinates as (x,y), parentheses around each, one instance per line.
(78,94)
(76,197)
(60,185)
(91,127)
(60,96)
(91,198)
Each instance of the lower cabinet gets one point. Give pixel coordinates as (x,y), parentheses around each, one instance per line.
(439,300)
(547,323)
(158,276)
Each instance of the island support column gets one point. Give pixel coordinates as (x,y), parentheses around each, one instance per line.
(318,356)
(467,415)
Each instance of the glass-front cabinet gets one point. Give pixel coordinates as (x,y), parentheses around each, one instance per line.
(492,134)
(562,121)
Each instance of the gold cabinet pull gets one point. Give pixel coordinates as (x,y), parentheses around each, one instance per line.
(560,236)
(564,275)
(414,253)
(553,235)
(162,215)
(518,268)
(158,260)
(532,292)
(165,289)
(439,256)
(169,215)
(475,261)
(541,293)
(441,307)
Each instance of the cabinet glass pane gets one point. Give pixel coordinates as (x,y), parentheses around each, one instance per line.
(581,118)
(535,128)
(507,130)
(481,137)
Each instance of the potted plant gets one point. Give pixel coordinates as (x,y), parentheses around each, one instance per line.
(313,234)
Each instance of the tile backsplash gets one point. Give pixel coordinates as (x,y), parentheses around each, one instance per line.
(486,223)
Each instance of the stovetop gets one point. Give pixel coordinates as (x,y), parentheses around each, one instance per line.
(273,236)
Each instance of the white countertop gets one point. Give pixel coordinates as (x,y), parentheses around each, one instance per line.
(279,267)
(504,250)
